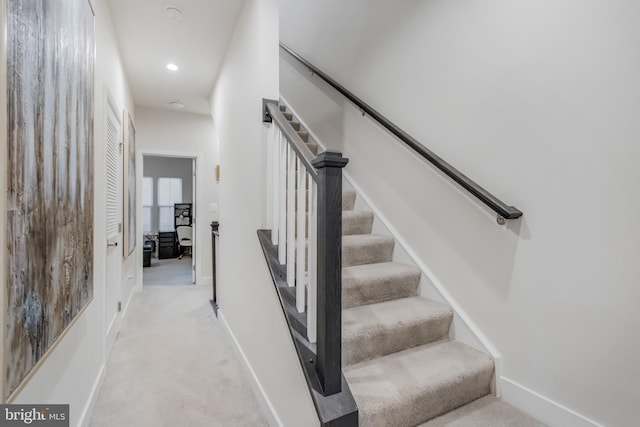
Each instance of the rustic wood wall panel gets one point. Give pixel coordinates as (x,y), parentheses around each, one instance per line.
(50,60)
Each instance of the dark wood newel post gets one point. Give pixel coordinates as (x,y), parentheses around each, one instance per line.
(329,328)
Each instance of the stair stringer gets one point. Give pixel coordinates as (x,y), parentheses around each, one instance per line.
(463,328)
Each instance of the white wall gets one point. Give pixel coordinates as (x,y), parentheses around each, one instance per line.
(536,101)
(73,370)
(248,302)
(167,133)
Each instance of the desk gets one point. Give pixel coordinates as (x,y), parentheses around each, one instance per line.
(167,245)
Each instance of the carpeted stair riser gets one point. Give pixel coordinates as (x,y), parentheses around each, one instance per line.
(356,222)
(416,385)
(353,222)
(373,283)
(348,200)
(376,330)
(361,249)
(486,411)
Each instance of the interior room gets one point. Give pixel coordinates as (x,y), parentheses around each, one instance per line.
(167,209)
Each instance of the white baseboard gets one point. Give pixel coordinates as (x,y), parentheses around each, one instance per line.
(263,400)
(127,303)
(85,418)
(544,409)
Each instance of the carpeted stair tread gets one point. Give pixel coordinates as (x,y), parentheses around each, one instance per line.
(372,283)
(376,330)
(359,249)
(486,411)
(348,200)
(413,386)
(356,222)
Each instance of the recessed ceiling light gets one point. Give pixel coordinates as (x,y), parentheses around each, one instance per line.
(173,13)
(172,67)
(177,104)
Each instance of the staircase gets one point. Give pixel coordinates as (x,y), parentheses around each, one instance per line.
(400,364)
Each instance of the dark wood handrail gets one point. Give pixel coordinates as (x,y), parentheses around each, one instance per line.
(501,208)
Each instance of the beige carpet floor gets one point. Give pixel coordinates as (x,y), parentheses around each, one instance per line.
(168,272)
(173,366)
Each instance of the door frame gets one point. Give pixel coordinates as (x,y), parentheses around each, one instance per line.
(112,325)
(198,182)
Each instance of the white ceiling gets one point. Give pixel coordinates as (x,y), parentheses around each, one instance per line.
(196,43)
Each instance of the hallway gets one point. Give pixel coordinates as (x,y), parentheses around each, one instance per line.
(172,365)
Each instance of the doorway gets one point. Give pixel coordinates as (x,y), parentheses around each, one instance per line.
(113,207)
(168,220)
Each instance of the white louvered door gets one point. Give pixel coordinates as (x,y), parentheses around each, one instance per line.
(113,182)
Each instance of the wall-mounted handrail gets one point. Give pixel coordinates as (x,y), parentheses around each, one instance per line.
(501,208)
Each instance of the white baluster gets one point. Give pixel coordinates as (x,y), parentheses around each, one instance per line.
(291,218)
(282,194)
(275,185)
(301,300)
(312,300)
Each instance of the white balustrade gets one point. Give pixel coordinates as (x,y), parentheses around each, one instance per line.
(282,195)
(274,174)
(301,261)
(312,309)
(291,218)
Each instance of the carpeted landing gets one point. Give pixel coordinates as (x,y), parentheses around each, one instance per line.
(172,366)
